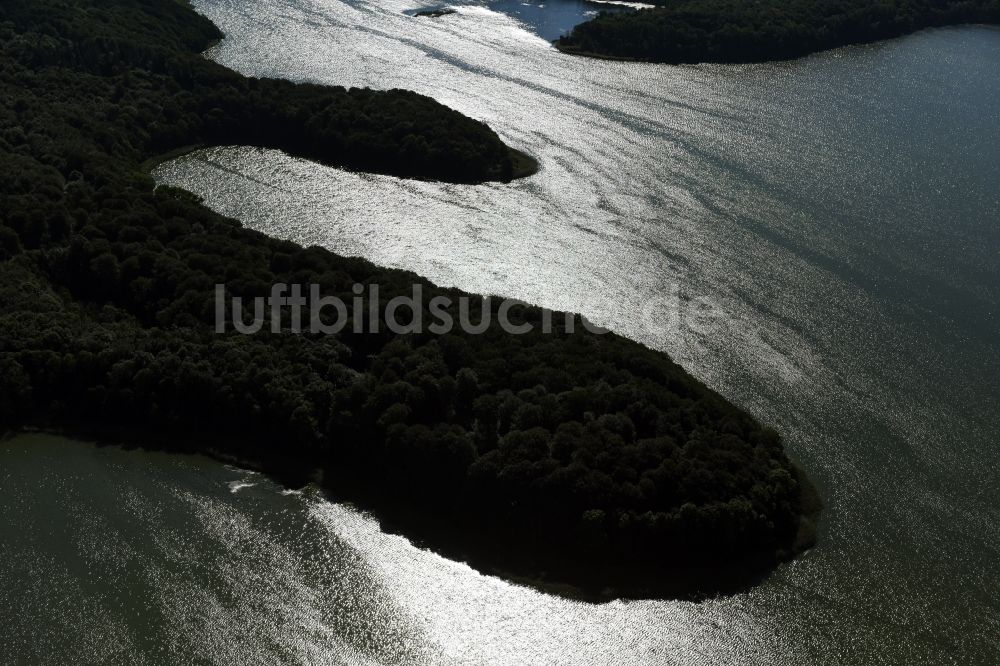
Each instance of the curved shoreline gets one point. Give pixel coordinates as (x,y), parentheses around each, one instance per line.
(487,553)
(549,571)
(569,50)
(524,165)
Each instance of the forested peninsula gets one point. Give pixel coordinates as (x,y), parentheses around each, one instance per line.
(732,31)
(568,457)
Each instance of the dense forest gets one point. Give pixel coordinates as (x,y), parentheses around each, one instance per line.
(731,31)
(555,450)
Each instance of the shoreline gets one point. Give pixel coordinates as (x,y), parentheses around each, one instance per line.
(569,50)
(489,553)
(493,554)
(523,164)
(573,51)
(149,165)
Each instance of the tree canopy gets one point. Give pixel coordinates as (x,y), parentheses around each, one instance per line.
(730,31)
(132,71)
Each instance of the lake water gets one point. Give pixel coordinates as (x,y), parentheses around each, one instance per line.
(835,221)
(550,19)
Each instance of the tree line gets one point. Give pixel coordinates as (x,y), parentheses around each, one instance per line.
(732,31)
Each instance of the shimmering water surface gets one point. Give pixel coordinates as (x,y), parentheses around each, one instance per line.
(818,240)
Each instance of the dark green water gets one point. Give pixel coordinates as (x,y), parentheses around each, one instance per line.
(129,557)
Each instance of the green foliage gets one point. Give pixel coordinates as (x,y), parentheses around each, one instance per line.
(690,31)
(594,448)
